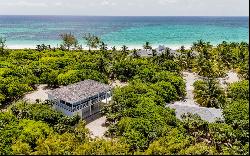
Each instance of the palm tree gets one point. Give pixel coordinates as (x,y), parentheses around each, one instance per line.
(2,44)
(113,49)
(182,49)
(147,46)
(225,56)
(197,45)
(189,58)
(124,50)
(166,54)
(204,67)
(103,47)
(154,52)
(101,65)
(38,47)
(208,93)
(200,45)
(44,47)
(135,53)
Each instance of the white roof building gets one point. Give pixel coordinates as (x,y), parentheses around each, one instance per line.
(82,98)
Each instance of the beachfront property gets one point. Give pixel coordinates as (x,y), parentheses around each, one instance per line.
(158,51)
(145,52)
(83,98)
(149,52)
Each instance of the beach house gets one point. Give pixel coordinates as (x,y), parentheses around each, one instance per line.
(84,98)
(158,51)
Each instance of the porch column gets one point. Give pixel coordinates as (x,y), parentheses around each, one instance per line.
(106,98)
(98,102)
(90,107)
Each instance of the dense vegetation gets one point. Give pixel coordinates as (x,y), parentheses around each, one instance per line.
(139,122)
(208,93)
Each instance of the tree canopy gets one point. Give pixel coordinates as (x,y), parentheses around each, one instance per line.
(137,117)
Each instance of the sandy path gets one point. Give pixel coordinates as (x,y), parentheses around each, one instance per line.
(230,78)
(97,128)
(118,83)
(40,94)
(190,78)
(189,105)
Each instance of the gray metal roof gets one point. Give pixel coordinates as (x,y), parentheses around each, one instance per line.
(144,52)
(208,114)
(160,48)
(79,91)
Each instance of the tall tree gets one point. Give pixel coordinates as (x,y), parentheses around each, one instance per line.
(135,53)
(166,54)
(182,49)
(189,57)
(92,41)
(124,50)
(103,47)
(113,49)
(69,40)
(147,46)
(101,65)
(201,46)
(2,44)
(208,93)
(104,50)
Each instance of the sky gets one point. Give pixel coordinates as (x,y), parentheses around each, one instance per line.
(126,7)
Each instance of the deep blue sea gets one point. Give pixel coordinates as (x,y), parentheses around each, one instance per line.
(28,31)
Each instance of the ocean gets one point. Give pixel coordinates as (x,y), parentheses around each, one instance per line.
(28,31)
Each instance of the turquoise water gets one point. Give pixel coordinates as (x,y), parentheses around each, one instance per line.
(131,31)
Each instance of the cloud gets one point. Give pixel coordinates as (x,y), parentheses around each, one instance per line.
(105,2)
(164,2)
(58,4)
(126,7)
(26,4)
(108,3)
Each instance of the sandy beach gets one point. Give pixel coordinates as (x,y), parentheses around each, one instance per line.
(118,47)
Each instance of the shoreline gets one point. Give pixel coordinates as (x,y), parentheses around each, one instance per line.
(130,47)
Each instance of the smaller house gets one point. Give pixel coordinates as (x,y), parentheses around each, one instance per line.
(161,49)
(145,52)
(82,98)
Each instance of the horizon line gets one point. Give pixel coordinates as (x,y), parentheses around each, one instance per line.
(135,15)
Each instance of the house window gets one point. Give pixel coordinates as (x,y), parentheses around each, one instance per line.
(68,104)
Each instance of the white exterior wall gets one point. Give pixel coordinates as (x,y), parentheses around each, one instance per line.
(80,112)
(64,111)
(58,108)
